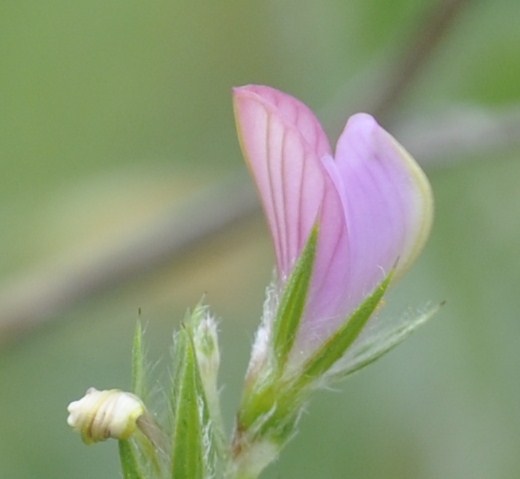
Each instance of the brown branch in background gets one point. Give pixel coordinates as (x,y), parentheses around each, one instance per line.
(40,297)
(418,52)
(461,134)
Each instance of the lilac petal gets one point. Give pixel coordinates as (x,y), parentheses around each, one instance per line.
(388,200)
(283,143)
(372,203)
(330,301)
(387,214)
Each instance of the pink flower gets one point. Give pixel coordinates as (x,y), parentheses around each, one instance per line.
(370,200)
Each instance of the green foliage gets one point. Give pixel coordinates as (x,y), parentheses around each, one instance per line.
(138,363)
(197,441)
(130,460)
(188,402)
(133,462)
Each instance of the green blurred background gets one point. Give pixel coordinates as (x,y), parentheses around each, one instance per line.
(116,117)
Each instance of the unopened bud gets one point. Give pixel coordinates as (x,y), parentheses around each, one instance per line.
(102,414)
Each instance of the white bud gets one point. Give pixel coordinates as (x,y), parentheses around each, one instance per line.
(102,414)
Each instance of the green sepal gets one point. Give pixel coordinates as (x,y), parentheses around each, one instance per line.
(130,460)
(293,302)
(189,414)
(335,347)
(275,408)
(382,342)
(267,411)
(270,412)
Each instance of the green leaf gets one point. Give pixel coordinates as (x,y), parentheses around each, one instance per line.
(145,450)
(188,454)
(129,461)
(138,366)
(293,301)
(336,346)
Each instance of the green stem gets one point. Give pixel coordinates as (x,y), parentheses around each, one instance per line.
(249,458)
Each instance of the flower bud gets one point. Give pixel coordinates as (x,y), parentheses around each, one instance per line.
(102,414)
(206,345)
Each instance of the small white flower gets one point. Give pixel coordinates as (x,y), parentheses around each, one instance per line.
(102,414)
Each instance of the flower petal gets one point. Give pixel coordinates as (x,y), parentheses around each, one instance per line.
(387,197)
(283,143)
(387,206)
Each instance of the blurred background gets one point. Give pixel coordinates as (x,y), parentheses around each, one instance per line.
(123,194)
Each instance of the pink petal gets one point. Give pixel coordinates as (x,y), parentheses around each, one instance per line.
(387,211)
(387,198)
(372,203)
(283,143)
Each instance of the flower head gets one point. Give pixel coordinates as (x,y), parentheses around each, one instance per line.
(369,200)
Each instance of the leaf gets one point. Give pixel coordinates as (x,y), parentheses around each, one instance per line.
(189,410)
(138,366)
(145,451)
(129,460)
